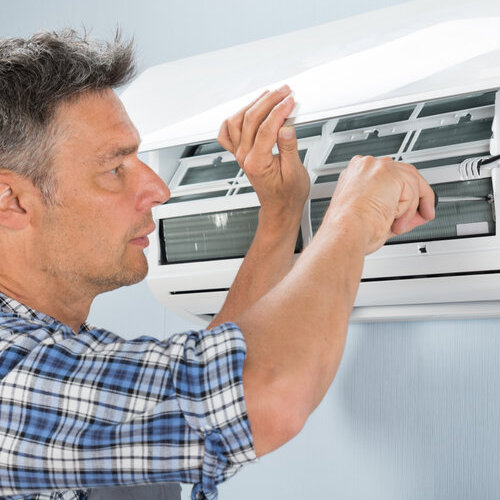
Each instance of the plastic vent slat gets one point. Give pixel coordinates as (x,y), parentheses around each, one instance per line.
(374,146)
(198,175)
(457,104)
(368,120)
(454,134)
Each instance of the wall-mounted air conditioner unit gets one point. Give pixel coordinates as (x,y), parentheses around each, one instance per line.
(427,96)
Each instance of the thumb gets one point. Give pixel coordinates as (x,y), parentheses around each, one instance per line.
(287,143)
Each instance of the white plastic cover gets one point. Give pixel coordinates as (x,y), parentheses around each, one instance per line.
(416,48)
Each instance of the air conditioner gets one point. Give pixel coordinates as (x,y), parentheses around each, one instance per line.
(427,94)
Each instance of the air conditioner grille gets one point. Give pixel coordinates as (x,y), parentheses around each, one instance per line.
(373,145)
(452,218)
(201,181)
(197,196)
(217,170)
(210,236)
(441,162)
(462,132)
(327,178)
(450,104)
(366,120)
(309,130)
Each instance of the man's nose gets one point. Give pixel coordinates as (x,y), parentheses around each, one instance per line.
(154,190)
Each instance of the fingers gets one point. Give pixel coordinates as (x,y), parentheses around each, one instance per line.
(408,210)
(259,121)
(267,133)
(416,205)
(224,139)
(426,206)
(229,134)
(269,108)
(287,143)
(394,195)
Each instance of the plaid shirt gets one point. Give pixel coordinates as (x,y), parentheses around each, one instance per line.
(93,410)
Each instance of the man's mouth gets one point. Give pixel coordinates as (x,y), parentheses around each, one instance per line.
(142,241)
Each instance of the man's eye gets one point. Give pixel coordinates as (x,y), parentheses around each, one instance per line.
(116,170)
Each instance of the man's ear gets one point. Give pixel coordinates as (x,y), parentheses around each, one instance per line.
(13,215)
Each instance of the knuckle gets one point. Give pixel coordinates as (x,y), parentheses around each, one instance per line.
(278,108)
(387,160)
(232,120)
(250,117)
(249,166)
(289,147)
(384,163)
(275,97)
(265,129)
(366,161)
(235,122)
(240,156)
(223,140)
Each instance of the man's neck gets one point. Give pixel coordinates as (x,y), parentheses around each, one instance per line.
(61,304)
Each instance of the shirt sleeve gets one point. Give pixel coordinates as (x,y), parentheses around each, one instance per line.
(95,410)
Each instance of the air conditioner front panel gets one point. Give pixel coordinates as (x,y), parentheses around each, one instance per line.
(206,228)
(466,289)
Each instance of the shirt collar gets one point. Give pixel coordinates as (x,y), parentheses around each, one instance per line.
(10,305)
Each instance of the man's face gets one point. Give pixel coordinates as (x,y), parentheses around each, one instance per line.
(95,234)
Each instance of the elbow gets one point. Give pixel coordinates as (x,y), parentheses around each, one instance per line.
(294,423)
(274,419)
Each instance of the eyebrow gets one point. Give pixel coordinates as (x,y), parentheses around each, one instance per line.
(117,153)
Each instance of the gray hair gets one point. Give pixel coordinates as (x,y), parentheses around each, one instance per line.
(38,74)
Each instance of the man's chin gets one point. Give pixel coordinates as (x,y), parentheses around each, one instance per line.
(135,275)
(124,277)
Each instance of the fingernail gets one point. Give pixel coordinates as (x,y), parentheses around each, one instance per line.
(287,132)
(284,89)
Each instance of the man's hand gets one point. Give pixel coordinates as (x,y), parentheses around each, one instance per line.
(281,182)
(295,334)
(385,197)
(282,185)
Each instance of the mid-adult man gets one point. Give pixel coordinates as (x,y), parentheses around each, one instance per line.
(81,408)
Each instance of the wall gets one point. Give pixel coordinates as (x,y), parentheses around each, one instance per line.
(414,410)
(412,414)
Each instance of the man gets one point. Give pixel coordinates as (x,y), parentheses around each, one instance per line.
(81,408)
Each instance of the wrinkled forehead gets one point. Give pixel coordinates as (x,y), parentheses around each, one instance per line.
(94,127)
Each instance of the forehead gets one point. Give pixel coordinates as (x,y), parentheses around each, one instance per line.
(95,124)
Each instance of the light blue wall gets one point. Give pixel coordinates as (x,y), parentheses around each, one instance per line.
(413,414)
(414,411)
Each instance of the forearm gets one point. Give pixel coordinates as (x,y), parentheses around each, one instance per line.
(268,260)
(296,333)
(282,186)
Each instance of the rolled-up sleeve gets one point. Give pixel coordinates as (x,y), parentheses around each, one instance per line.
(219,416)
(94,410)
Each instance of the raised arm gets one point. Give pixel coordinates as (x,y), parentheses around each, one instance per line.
(282,185)
(296,332)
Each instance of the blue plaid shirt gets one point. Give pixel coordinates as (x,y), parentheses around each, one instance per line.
(93,410)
